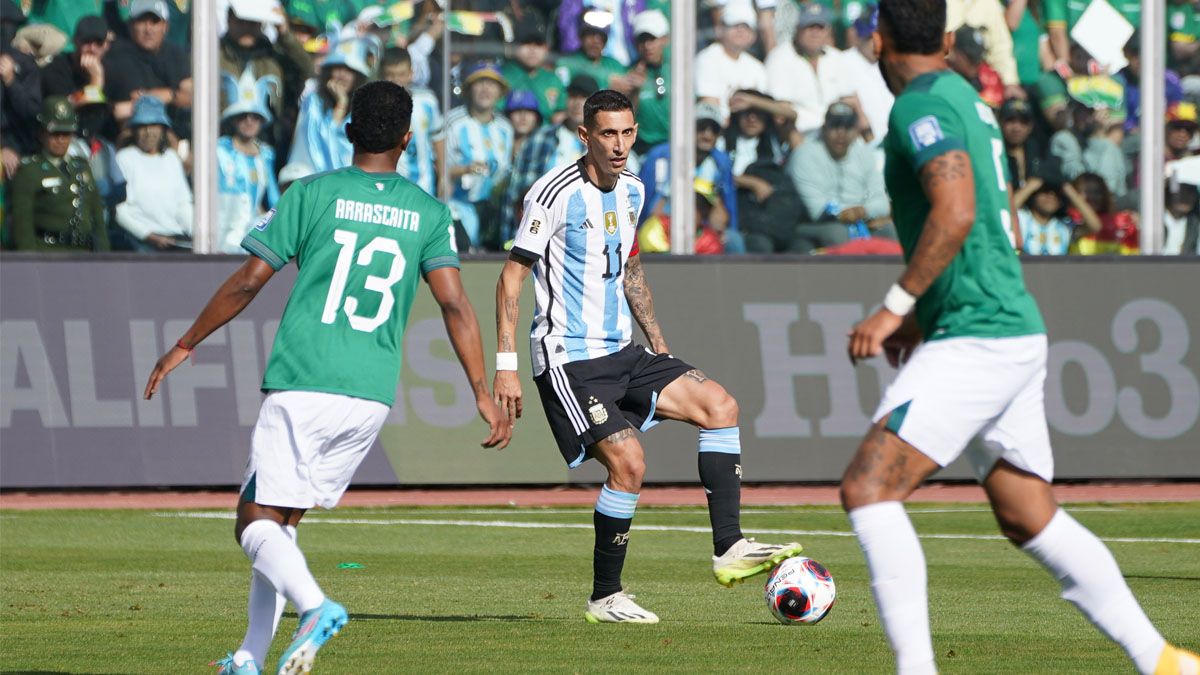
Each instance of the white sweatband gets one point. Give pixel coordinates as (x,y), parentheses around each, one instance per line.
(506,360)
(899,301)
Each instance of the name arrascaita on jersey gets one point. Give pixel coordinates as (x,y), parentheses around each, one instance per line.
(377,214)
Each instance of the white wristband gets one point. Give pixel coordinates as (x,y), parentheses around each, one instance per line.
(899,301)
(506,360)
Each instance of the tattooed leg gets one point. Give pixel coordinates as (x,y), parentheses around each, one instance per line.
(885,468)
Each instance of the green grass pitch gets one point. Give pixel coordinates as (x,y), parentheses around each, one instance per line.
(440,592)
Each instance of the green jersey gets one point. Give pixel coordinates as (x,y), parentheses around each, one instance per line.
(361,241)
(577,64)
(1065,13)
(981,293)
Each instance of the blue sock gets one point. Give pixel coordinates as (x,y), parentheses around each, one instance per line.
(720,461)
(612,518)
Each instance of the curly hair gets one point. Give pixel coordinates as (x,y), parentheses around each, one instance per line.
(915,26)
(380,114)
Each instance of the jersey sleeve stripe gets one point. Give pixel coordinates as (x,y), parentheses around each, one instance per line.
(557,191)
(267,255)
(557,182)
(631,175)
(439,262)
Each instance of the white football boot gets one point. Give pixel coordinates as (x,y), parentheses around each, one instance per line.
(748,558)
(618,608)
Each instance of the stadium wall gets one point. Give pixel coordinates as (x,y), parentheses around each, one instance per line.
(79,336)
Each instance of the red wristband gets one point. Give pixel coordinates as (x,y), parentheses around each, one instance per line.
(179,343)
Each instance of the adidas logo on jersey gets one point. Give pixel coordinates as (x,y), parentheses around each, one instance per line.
(587,224)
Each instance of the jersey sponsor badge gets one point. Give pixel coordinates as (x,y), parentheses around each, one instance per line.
(610,222)
(632,218)
(534,226)
(925,132)
(263,222)
(596,410)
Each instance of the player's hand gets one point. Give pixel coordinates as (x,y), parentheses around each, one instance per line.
(166,363)
(500,430)
(506,388)
(899,346)
(868,336)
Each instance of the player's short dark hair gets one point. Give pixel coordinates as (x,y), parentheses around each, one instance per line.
(395,56)
(605,100)
(915,26)
(380,114)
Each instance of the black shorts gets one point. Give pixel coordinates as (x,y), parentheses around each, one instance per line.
(588,401)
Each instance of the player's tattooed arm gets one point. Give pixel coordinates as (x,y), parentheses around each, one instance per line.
(641,304)
(697,375)
(949,184)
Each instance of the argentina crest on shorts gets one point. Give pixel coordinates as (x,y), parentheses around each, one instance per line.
(596,409)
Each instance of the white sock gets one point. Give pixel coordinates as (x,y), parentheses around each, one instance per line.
(276,557)
(897,567)
(1093,583)
(264,610)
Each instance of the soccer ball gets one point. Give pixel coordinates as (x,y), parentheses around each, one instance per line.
(800,590)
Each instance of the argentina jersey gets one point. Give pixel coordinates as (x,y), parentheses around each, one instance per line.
(417,162)
(580,237)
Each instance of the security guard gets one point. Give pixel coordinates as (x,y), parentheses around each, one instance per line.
(55,205)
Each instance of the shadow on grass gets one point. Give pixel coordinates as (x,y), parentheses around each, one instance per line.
(354,616)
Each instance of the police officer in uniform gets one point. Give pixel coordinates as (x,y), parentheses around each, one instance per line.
(55,204)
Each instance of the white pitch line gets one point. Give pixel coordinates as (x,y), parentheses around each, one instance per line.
(650,528)
(502,510)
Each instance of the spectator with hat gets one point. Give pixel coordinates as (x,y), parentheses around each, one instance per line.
(426,152)
(246,185)
(966,58)
(157,211)
(245,46)
(521,109)
(147,65)
(648,81)
(988,19)
(862,69)
(79,74)
(320,142)
(548,147)
(478,152)
(841,185)
(726,66)
(55,205)
(808,72)
(528,67)
(590,60)
(20,93)
(1181,130)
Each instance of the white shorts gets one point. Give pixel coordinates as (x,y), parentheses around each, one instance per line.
(306,446)
(987,390)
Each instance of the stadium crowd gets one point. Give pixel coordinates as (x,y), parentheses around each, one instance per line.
(791,115)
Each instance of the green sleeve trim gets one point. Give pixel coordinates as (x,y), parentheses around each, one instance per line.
(936,150)
(439,262)
(896,418)
(263,251)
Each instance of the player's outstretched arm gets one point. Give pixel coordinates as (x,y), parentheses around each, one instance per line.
(506,385)
(463,328)
(949,183)
(229,301)
(641,304)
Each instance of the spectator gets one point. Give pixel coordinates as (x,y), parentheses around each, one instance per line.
(1118,230)
(807,72)
(521,109)
(1045,227)
(841,185)
(862,69)
(713,180)
(966,58)
(1061,16)
(725,66)
(22,93)
(987,17)
(1130,77)
(1183,37)
(479,148)
(420,49)
(765,13)
(1181,129)
(157,211)
(528,68)
(63,15)
(754,135)
(79,74)
(425,155)
(590,59)
(147,65)
(41,41)
(1181,221)
(572,14)
(1024,153)
(648,82)
(1031,46)
(245,166)
(548,147)
(91,145)
(55,206)
(244,45)
(1086,145)
(320,142)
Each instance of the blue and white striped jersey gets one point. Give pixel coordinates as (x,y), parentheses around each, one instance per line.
(416,164)
(468,141)
(580,237)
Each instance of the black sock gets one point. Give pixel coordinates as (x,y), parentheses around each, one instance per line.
(612,540)
(721,474)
